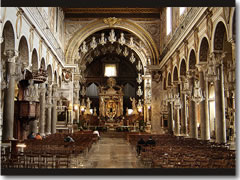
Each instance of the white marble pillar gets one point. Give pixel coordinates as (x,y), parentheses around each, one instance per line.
(8,112)
(54,109)
(177,125)
(193,108)
(184,114)
(49,110)
(170,118)
(204,110)
(220,105)
(42,109)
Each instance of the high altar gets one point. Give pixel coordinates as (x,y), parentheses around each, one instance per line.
(111,100)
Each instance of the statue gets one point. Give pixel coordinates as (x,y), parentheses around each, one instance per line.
(83,91)
(112,38)
(118,50)
(139,66)
(139,91)
(197,89)
(88,106)
(131,43)
(88,103)
(94,111)
(84,47)
(132,58)
(134,105)
(122,40)
(139,79)
(103,40)
(125,52)
(29,92)
(93,43)
(83,102)
(102,107)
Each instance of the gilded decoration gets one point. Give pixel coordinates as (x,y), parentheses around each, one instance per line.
(111,21)
(19,23)
(31,38)
(111,100)
(92,27)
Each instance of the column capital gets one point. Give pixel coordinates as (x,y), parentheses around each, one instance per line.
(217,57)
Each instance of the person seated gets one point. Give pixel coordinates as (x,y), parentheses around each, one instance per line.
(140,143)
(97,133)
(38,137)
(68,139)
(150,142)
(31,135)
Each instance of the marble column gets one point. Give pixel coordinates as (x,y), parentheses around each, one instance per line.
(193,120)
(204,114)
(8,112)
(76,100)
(177,125)
(220,105)
(170,118)
(49,110)
(184,114)
(54,109)
(42,109)
(193,108)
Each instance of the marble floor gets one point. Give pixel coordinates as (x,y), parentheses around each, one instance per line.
(109,153)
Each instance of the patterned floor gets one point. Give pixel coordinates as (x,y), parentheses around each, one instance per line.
(109,153)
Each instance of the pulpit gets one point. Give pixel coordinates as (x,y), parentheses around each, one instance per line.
(25,111)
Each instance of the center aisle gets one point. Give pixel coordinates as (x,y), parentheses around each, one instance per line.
(111,153)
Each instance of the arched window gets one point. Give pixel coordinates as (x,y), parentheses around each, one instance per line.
(181,10)
(92,90)
(169,20)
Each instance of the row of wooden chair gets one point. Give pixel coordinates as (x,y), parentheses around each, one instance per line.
(51,152)
(36,161)
(178,152)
